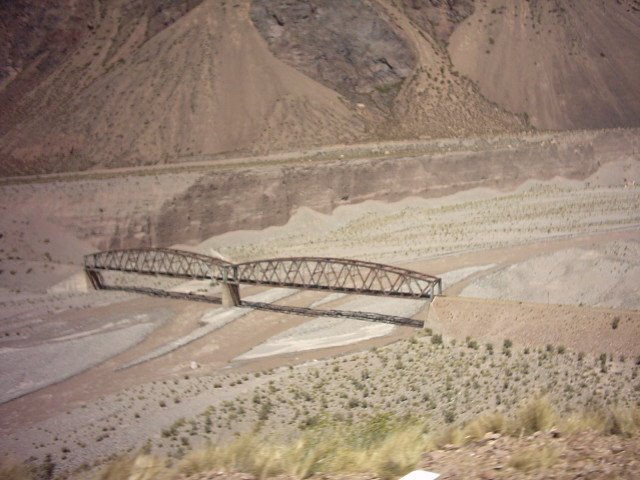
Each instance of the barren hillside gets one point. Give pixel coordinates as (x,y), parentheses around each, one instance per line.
(202,85)
(569,64)
(105,84)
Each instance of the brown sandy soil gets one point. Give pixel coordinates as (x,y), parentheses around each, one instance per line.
(536,325)
(469,237)
(202,84)
(418,376)
(539,58)
(214,354)
(92,392)
(588,456)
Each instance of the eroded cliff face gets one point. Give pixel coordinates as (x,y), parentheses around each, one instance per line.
(387,57)
(79,215)
(40,40)
(438,17)
(121,83)
(256,199)
(347,45)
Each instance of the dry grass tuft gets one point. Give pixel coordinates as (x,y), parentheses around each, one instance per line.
(487,423)
(142,467)
(382,445)
(390,447)
(533,459)
(616,421)
(248,453)
(623,421)
(397,453)
(446,436)
(535,416)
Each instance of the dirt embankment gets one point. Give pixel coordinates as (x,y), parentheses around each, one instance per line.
(535,325)
(164,208)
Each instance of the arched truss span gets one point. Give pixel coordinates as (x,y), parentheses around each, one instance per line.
(159,261)
(314,273)
(339,275)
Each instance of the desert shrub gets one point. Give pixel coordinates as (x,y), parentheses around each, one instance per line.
(603,362)
(449,416)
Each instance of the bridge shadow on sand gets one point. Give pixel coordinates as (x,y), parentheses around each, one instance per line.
(303,311)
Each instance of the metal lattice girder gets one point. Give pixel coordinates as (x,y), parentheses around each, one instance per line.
(158,261)
(316,273)
(336,274)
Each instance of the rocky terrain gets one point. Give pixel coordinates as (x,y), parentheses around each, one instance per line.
(86,85)
(494,144)
(370,62)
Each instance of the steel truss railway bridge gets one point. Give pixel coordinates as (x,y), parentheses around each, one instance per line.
(310,273)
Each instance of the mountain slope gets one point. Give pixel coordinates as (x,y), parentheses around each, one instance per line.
(387,57)
(567,64)
(89,84)
(205,84)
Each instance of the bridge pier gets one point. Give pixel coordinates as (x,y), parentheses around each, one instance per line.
(230,295)
(95,279)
